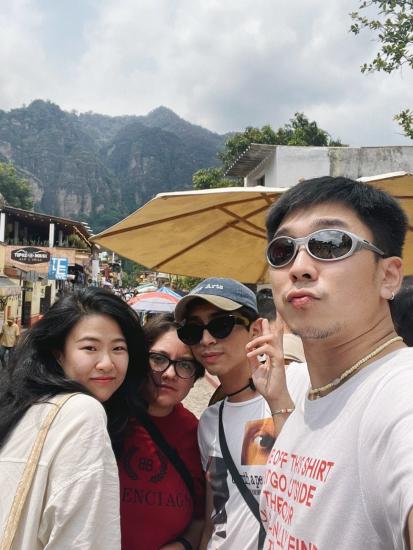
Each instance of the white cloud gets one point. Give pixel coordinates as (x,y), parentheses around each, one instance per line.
(23,62)
(224,65)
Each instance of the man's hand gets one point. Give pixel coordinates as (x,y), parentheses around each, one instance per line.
(269,374)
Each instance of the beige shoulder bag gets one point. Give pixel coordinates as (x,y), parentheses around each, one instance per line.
(28,475)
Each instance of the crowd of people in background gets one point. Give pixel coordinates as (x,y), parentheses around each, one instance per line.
(311,426)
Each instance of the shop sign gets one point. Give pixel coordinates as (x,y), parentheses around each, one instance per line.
(30,255)
(58,269)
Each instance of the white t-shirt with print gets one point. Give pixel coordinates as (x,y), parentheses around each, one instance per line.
(249,432)
(340,475)
(246,424)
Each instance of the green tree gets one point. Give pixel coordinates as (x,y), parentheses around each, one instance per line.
(16,191)
(239,142)
(393,27)
(298,131)
(186,283)
(130,272)
(102,220)
(209,178)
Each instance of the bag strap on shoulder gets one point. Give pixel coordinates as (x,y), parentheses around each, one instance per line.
(242,488)
(169,452)
(28,475)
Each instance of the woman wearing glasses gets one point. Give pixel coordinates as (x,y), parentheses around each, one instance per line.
(162,484)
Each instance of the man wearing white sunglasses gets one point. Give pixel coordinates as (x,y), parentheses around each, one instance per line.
(342,466)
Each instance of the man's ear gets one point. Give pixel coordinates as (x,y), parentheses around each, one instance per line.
(392,277)
(255,328)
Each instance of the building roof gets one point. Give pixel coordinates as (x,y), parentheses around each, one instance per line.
(250,159)
(39,217)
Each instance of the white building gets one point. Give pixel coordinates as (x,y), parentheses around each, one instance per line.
(284,166)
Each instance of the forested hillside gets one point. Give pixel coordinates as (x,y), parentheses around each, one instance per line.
(99,168)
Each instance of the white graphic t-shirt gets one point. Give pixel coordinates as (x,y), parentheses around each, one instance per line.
(250,435)
(340,474)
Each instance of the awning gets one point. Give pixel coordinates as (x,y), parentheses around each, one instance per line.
(8,287)
(250,159)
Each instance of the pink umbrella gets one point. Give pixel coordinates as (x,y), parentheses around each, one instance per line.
(154,302)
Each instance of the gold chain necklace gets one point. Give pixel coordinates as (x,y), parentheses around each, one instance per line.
(346,373)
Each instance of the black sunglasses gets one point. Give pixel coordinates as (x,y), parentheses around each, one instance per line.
(191,333)
(159,363)
(327,245)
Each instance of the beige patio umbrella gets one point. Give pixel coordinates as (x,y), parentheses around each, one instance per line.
(219,232)
(210,233)
(400,185)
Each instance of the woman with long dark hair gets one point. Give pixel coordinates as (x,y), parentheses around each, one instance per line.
(161,478)
(89,343)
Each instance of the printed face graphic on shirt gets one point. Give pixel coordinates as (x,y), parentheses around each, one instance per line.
(220,481)
(259,438)
(217,477)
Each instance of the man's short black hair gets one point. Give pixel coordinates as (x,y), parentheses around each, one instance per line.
(402,313)
(407,280)
(265,304)
(378,210)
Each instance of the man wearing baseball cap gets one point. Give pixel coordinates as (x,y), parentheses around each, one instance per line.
(218,318)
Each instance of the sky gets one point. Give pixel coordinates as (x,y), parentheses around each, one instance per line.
(222,64)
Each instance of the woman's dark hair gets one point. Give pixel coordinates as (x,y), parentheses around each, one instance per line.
(160,324)
(34,375)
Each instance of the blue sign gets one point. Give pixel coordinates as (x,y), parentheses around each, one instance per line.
(58,268)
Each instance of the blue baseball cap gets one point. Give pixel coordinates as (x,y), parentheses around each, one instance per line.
(226,294)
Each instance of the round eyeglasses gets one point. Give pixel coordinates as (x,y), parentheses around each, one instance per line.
(159,363)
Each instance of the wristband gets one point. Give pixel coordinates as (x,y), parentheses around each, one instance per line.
(185,543)
(283,411)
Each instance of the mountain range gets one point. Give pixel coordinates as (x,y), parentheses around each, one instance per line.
(99,168)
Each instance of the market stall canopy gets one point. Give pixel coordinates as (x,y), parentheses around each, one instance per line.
(171,292)
(147,287)
(400,185)
(8,287)
(210,233)
(154,302)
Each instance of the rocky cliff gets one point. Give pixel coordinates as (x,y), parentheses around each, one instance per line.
(98,168)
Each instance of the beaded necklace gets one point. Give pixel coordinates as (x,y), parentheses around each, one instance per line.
(315,392)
